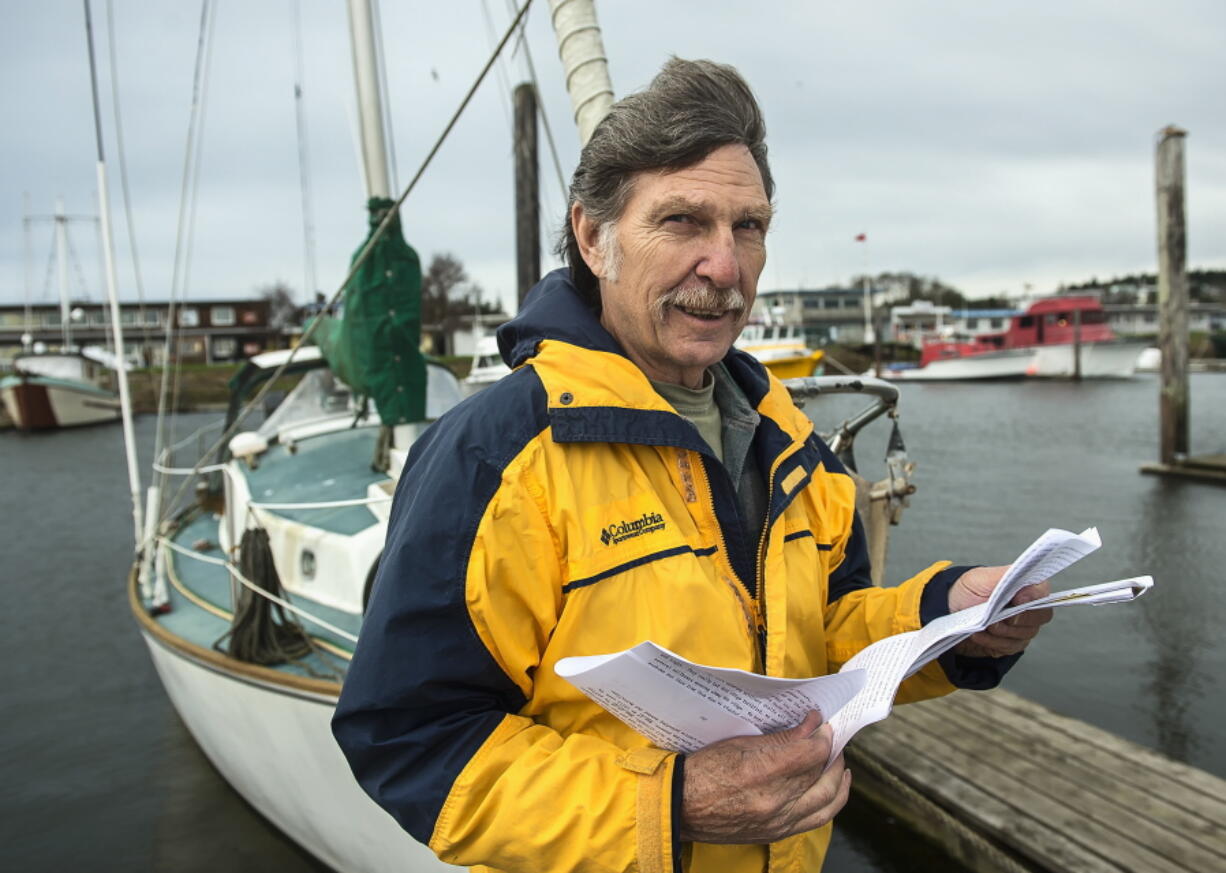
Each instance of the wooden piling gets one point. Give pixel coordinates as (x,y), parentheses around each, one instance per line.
(527,192)
(1172,295)
(1076,345)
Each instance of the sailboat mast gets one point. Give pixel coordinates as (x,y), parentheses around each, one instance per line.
(584,62)
(112,294)
(61,265)
(370,98)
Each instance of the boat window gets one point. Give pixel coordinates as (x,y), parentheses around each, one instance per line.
(1026,321)
(318,395)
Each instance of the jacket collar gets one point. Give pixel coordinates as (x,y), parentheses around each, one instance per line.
(596,393)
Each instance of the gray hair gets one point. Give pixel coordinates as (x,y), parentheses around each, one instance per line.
(690,109)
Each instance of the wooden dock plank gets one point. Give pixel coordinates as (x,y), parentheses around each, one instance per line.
(933,800)
(1088,841)
(1114,776)
(1127,814)
(1037,791)
(1186,786)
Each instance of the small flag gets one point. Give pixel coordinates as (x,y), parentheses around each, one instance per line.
(861,237)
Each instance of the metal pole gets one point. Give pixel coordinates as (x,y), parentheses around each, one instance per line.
(370,101)
(125,399)
(27,336)
(1172,295)
(527,191)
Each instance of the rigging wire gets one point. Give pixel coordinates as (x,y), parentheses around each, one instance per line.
(50,270)
(504,80)
(304,162)
(123,178)
(77,269)
(547,232)
(522,42)
(185,188)
(361,257)
(191,225)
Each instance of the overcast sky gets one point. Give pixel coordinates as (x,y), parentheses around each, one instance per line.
(991,144)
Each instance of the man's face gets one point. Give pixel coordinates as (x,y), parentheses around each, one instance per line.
(680,275)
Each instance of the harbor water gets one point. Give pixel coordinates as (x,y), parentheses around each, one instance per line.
(100,772)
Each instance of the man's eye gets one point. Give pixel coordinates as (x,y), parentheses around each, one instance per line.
(749,224)
(680,216)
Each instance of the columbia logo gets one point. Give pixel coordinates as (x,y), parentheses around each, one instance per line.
(624,530)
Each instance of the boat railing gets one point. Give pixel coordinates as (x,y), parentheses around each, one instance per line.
(156,590)
(237,575)
(841,439)
(322,504)
(880,503)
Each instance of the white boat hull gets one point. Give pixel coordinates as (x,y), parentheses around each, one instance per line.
(1005,364)
(273,743)
(34,405)
(1108,360)
(1112,360)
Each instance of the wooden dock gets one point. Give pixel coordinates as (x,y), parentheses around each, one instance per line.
(1007,786)
(1202,468)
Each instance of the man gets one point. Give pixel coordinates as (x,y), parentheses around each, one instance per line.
(635,478)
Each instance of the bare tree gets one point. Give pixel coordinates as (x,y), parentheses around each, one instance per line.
(282,310)
(447,292)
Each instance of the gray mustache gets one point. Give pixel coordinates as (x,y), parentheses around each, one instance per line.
(699,296)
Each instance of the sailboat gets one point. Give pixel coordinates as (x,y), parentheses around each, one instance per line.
(250,593)
(64,387)
(257,559)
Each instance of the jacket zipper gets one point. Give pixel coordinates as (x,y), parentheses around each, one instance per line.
(760,560)
(749,603)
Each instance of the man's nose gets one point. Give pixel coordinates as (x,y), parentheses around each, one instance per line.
(718,263)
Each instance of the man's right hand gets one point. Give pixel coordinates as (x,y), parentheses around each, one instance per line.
(762,789)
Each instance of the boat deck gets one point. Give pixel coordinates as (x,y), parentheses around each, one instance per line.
(201,598)
(1007,785)
(346,457)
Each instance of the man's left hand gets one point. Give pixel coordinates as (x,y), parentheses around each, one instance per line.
(1006,637)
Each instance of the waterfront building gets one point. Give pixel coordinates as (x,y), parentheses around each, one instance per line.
(208,331)
(826,315)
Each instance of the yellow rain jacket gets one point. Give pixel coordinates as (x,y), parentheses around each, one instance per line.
(568,510)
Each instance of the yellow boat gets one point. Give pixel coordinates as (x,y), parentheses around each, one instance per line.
(781,348)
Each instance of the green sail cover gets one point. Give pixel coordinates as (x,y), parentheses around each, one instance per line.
(375,347)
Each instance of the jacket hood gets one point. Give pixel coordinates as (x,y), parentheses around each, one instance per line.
(553,310)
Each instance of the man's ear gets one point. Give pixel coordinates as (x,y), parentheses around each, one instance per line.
(587,235)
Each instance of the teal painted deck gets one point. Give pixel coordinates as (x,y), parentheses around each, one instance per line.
(345,455)
(210,583)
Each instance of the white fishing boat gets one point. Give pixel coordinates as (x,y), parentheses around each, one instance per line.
(256,558)
(61,389)
(1054,338)
(487,366)
(64,387)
